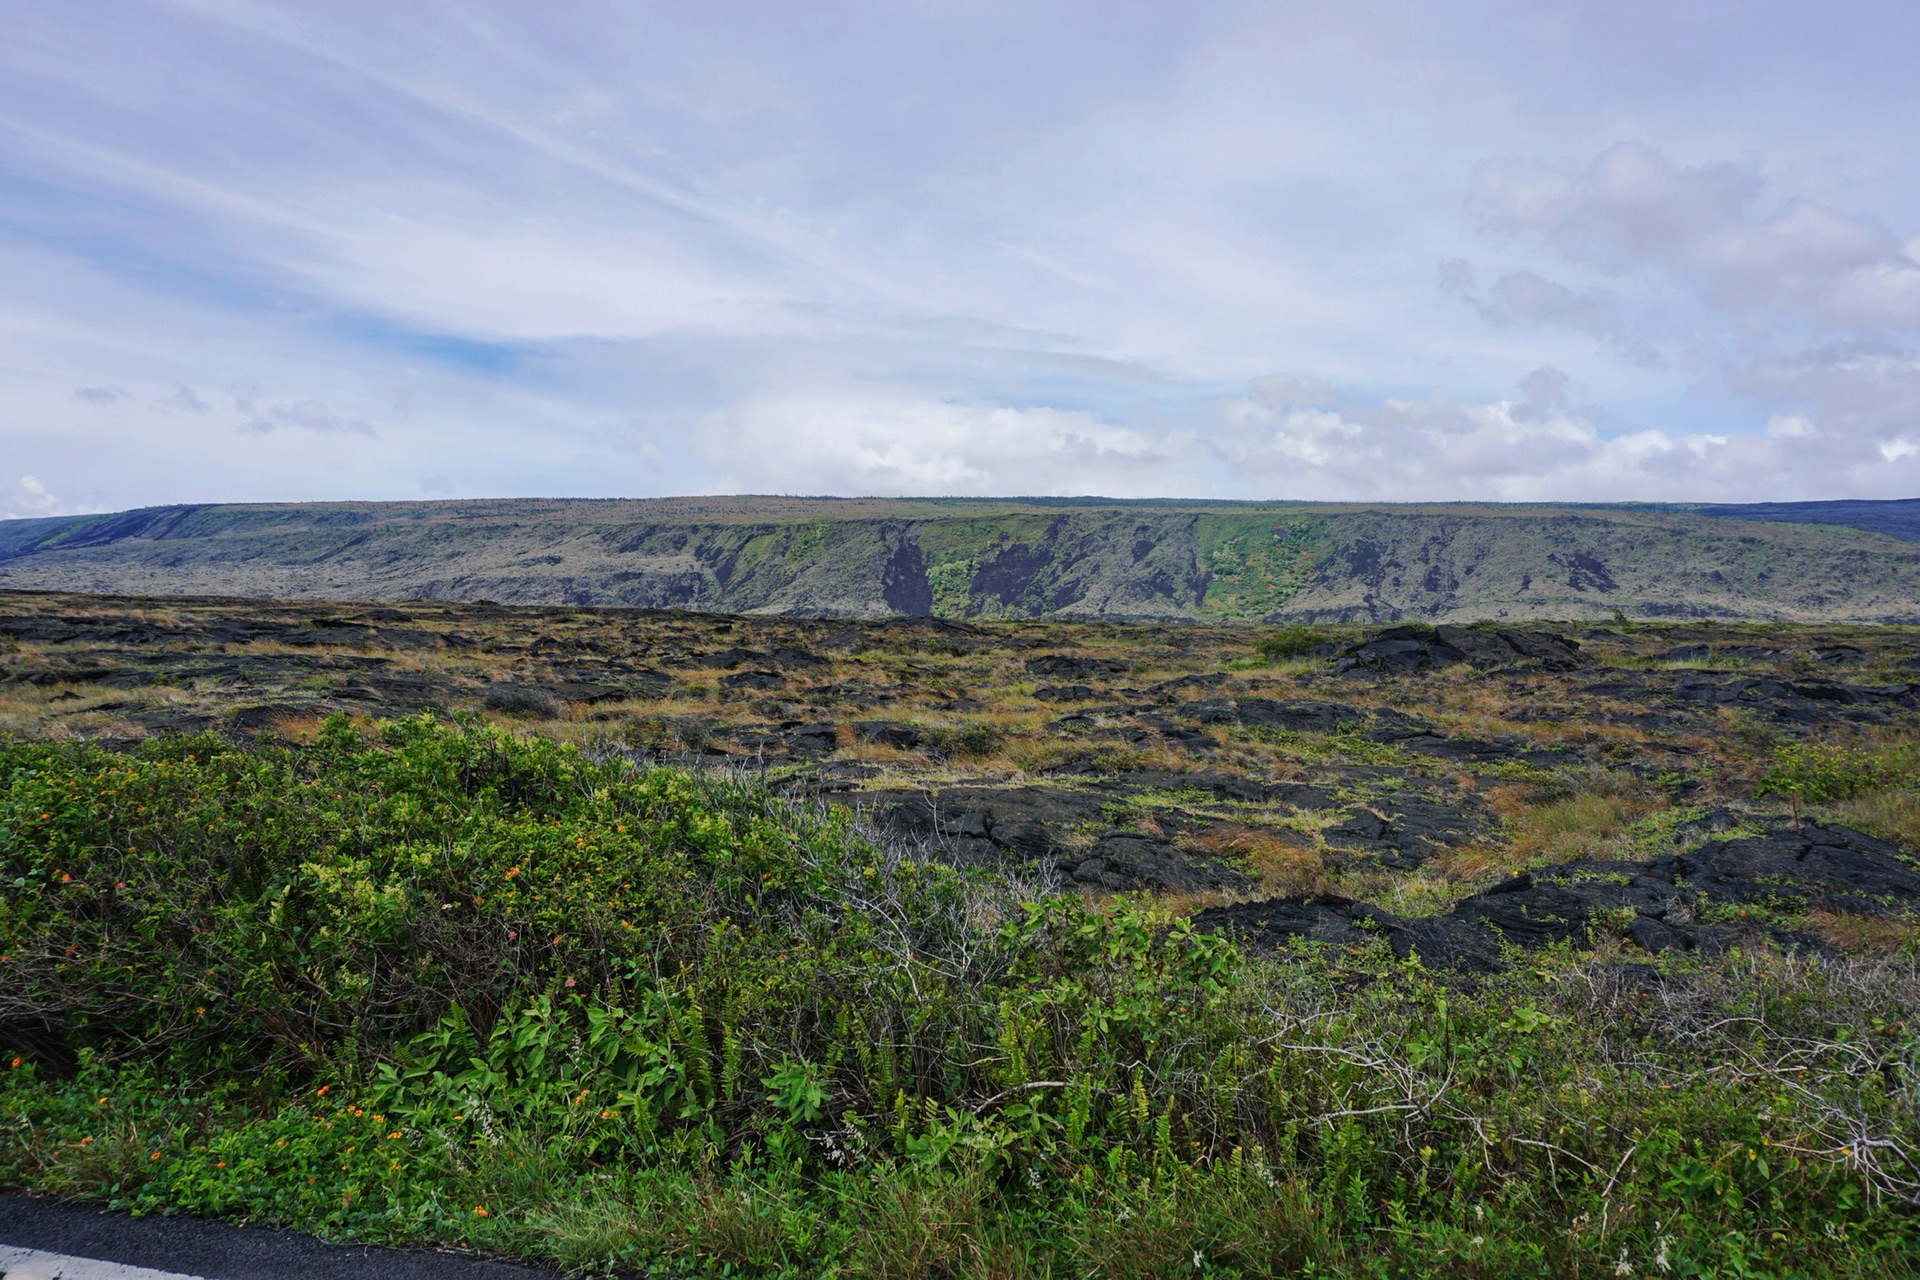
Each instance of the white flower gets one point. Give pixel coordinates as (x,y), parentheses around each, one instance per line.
(1199,1259)
(1622,1267)
(1660,1258)
(1479,1213)
(1033,1178)
(1477,1241)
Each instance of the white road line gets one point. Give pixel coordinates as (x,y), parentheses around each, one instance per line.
(33,1264)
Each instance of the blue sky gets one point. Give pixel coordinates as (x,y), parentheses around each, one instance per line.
(407,248)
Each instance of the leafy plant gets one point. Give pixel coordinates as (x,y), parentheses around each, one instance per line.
(1819,773)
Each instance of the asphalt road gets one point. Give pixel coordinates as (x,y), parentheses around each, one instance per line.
(214,1250)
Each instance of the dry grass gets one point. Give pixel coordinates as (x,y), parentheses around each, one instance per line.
(1426,892)
(1872,935)
(1582,826)
(1479,861)
(854,747)
(63,712)
(297,728)
(1892,815)
(1282,862)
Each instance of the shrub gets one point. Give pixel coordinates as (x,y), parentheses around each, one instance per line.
(441,984)
(1290,642)
(1816,773)
(966,742)
(527,704)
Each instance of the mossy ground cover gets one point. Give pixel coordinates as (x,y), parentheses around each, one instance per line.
(432,982)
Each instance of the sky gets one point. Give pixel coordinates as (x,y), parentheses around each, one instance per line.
(1508,250)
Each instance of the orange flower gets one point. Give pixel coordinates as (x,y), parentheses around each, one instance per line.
(479,1211)
(321,1092)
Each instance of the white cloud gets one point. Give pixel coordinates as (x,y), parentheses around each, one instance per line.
(1539,446)
(1528,298)
(861,441)
(1709,229)
(966,248)
(28,497)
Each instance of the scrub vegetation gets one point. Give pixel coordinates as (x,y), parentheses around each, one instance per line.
(422,982)
(675,944)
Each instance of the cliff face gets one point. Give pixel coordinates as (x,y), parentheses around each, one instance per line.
(1027,559)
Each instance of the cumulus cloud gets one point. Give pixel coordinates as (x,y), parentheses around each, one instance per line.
(304,415)
(1808,314)
(1713,230)
(1860,401)
(28,497)
(1539,446)
(856,440)
(1527,298)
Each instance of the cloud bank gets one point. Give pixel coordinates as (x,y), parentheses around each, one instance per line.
(255,249)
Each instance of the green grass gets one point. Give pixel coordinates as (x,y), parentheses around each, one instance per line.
(440,984)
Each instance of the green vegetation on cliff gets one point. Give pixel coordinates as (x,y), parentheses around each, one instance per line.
(1256,566)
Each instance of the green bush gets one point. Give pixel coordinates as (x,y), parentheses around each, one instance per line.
(966,742)
(439,984)
(1290,642)
(1816,773)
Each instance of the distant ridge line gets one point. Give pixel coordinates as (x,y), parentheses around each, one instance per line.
(985,558)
